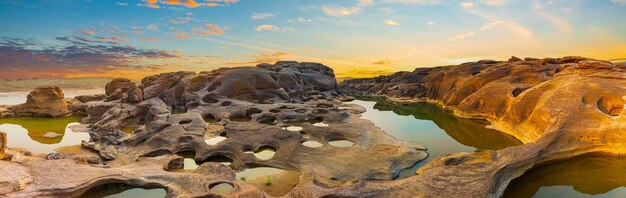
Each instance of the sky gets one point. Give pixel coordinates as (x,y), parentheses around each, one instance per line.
(357,38)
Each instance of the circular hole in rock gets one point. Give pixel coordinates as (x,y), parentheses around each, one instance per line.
(517,91)
(214,140)
(312,144)
(266,119)
(239,118)
(320,111)
(341,143)
(265,153)
(128,130)
(253,111)
(222,188)
(226,103)
(210,118)
(185,121)
(189,163)
(611,105)
(300,110)
(220,159)
(274,110)
(209,99)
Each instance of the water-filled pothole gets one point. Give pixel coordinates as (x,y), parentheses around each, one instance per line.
(312,144)
(118,190)
(220,159)
(321,124)
(214,140)
(273,181)
(221,188)
(341,143)
(293,128)
(264,153)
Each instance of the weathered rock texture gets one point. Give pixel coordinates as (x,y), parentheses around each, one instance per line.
(3,144)
(43,101)
(177,112)
(559,108)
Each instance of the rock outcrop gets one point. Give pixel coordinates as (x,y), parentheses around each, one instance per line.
(43,101)
(251,108)
(560,108)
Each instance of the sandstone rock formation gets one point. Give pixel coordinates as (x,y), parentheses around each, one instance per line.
(253,108)
(43,101)
(559,108)
(5,111)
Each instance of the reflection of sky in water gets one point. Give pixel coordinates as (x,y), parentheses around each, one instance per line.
(17,137)
(407,128)
(13,98)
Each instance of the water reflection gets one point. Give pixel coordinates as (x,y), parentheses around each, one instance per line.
(589,174)
(438,130)
(116,190)
(28,132)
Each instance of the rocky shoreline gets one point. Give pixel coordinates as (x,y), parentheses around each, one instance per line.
(559,108)
(252,108)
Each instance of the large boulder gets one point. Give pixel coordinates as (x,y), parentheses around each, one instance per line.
(123,89)
(43,101)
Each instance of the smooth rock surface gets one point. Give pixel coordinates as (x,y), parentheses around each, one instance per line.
(560,108)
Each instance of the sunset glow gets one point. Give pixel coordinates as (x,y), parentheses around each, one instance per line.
(358,38)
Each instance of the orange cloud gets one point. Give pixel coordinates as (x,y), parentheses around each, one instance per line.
(187,3)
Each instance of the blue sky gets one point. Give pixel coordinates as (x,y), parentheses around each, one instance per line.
(85,38)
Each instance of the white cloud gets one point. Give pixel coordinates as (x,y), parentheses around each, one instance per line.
(462,36)
(490,25)
(341,11)
(263,15)
(121,4)
(430,23)
(391,22)
(300,20)
(273,28)
(467,4)
(494,2)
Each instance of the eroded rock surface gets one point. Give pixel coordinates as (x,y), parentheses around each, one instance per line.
(559,108)
(253,108)
(43,101)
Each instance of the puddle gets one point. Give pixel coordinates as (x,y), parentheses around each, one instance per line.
(264,153)
(275,182)
(221,189)
(128,130)
(28,132)
(320,124)
(214,140)
(122,191)
(293,128)
(587,175)
(341,143)
(312,144)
